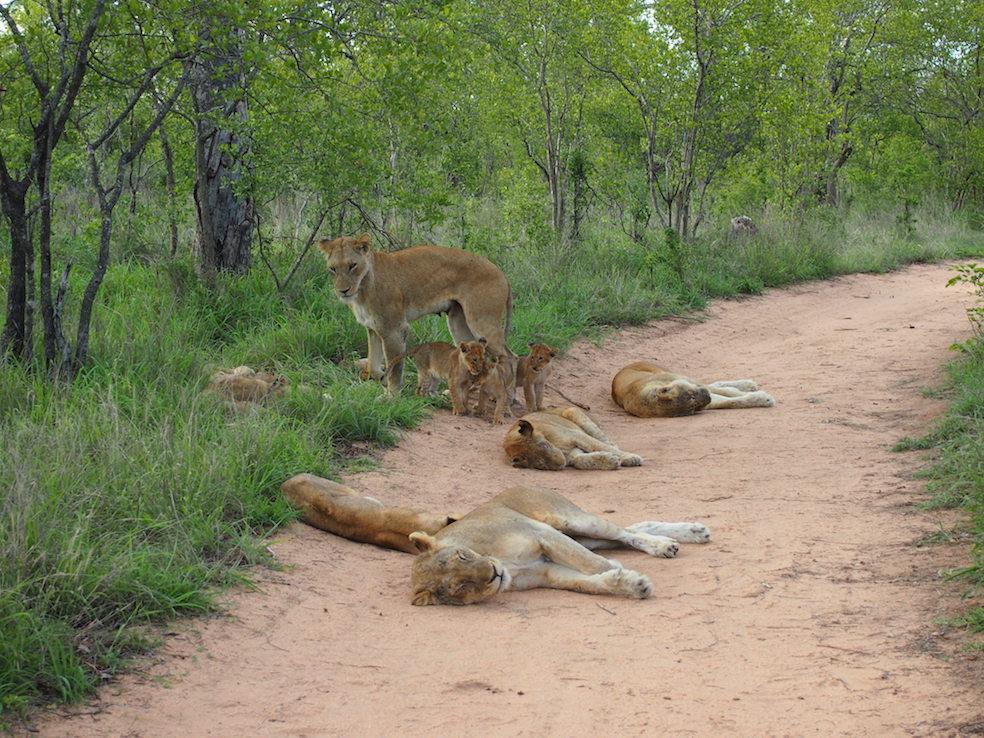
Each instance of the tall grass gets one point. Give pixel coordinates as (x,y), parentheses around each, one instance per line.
(131,495)
(956,478)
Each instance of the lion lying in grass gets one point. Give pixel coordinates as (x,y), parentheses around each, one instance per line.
(243,386)
(553,439)
(646,389)
(524,538)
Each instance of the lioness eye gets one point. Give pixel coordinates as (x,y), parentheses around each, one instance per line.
(463,556)
(351,267)
(331,269)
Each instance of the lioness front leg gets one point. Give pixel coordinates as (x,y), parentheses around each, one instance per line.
(682,532)
(394,343)
(595,460)
(616,582)
(375,364)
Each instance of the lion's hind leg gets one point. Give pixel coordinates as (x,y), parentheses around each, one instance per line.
(682,532)
(593,532)
(742,385)
(735,399)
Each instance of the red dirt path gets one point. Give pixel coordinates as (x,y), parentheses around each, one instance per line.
(810,613)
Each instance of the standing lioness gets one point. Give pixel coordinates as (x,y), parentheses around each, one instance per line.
(387,291)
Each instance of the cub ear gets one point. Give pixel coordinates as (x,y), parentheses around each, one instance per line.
(525,428)
(424,598)
(482,340)
(423,542)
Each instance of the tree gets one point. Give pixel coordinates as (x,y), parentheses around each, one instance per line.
(66,86)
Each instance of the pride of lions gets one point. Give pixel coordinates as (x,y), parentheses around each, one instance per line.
(525,537)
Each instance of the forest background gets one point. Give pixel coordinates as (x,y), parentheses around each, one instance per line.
(166,167)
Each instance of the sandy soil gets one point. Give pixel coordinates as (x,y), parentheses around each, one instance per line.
(812,612)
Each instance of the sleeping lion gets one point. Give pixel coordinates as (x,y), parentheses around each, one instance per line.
(524,538)
(553,439)
(646,389)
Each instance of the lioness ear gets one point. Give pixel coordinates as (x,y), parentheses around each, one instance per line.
(423,542)
(362,242)
(525,428)
(452,519)
(424,598)
(326,244)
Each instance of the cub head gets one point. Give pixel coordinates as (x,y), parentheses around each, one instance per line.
(473,356)
(540,355)
(452,574)
(348,262)
(528,449)
(679,397)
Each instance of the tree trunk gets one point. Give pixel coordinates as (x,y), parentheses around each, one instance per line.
(15,341)
(225,215)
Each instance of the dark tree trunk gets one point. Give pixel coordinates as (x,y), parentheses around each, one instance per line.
(225,215)
(15,340)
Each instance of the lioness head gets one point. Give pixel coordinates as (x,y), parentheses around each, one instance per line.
(540,356)
(473,355)
(680,397)
(348,263)
(528,449)
(450,574)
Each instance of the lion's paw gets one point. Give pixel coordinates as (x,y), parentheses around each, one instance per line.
(628,583)
(631,459)
(654,545)
(760,399)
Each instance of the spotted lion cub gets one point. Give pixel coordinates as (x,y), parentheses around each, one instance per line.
(461,367)
(532,373)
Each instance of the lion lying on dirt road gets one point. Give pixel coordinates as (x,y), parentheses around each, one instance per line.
(387,291)
(553,439)
(648,390)
(524,538)
(337,509)
(529,537)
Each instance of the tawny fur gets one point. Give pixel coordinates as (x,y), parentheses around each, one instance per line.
(646,389)
(532,373)
(529,537)
(388,291)
(337,509)
(553,439)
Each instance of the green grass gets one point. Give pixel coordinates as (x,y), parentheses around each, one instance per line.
(133,498)
(956,477)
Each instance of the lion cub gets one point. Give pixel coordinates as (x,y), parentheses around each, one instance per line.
(461,366)
(494,387)
(532,372)
(244,386)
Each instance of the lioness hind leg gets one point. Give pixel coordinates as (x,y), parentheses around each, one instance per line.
(587,423)
(744,385)
(682,532)
(747,399)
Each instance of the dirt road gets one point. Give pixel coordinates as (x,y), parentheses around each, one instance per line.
(810,613)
